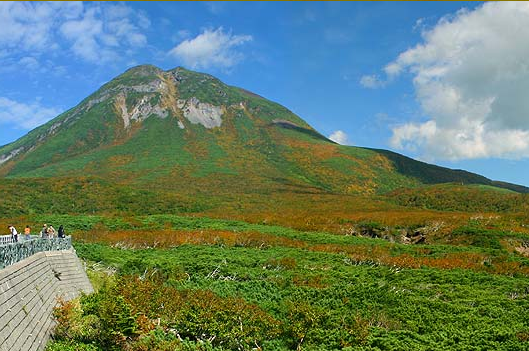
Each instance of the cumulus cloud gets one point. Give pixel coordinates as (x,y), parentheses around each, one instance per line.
(471,77)
(25,116)
(339,137)
(93,32)
(211,48)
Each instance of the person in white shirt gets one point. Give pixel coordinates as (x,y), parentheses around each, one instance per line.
(14,233)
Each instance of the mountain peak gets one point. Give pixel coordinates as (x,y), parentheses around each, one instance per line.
(142,99)
(147,70)
(143,70)
(148,122)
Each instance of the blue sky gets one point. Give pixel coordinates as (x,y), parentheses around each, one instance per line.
(443,82)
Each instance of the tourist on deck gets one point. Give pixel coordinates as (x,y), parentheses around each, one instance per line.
(27,232)
(14,233)
(51,232)
(44,232)
(61,232)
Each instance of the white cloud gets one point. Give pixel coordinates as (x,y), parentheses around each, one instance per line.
(143,21)
(101,33)
(96,32)
(339,137)
(215,7)
(29,63)
(471,77)
(371,82)
(25,116)
(25,25)
(83,32)
(212,48)
(183,34)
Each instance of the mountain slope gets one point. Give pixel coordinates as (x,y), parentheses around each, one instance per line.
(184,131)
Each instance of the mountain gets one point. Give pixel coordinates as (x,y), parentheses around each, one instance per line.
(184,132)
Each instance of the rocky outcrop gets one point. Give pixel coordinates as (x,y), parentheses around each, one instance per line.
(140,111)
(7,156)
(208,115)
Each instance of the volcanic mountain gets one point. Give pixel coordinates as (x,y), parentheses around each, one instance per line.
(182,131)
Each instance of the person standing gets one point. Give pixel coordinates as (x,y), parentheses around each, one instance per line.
(44,231)
(14,233)
(27,232)
(51,232)
(61,232)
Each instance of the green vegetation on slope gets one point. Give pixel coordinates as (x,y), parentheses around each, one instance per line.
(456,197)
(432,174)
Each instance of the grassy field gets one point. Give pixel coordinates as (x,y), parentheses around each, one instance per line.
(168,282)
